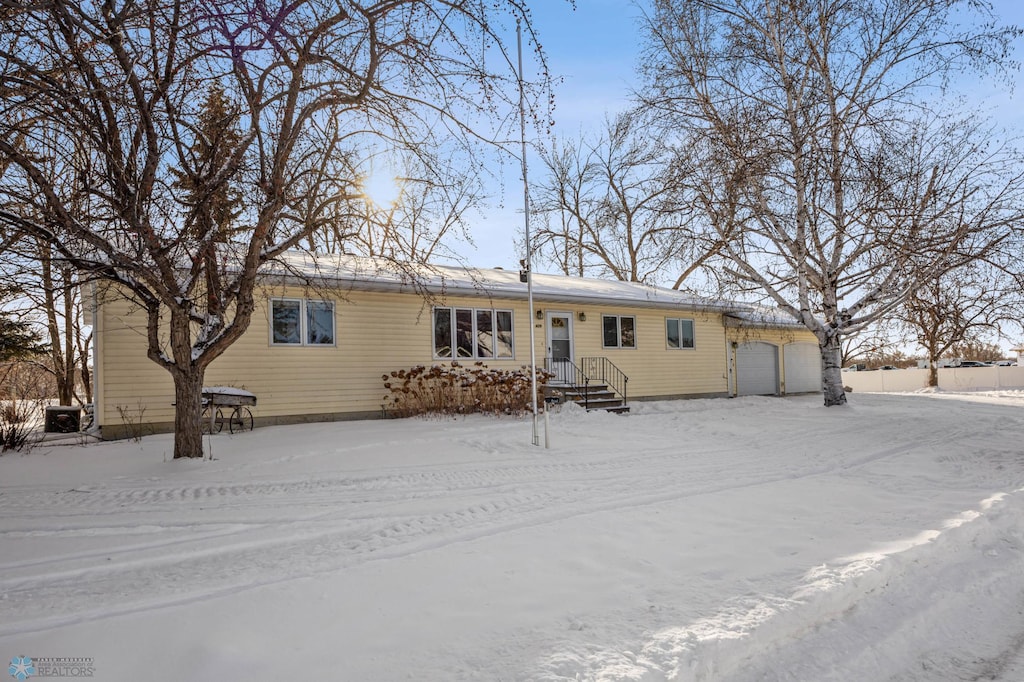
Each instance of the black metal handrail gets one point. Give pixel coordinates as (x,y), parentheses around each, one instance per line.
(568,372)
(604,370)
(597,369)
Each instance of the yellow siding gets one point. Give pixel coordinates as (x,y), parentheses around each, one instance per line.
(375,334)
(653,369)
(380,332)
(126,380)
(778,336)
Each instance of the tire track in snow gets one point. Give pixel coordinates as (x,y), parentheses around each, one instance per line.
(364,521)
(335,521)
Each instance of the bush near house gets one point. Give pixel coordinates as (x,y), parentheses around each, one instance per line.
(456,389)
(24,388)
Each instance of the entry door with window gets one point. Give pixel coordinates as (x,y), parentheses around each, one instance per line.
(560,349)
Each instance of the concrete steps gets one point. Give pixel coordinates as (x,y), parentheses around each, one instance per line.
(592,397)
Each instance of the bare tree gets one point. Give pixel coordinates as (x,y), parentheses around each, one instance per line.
(613,206)
(56,292)
(960,307)
(429,210)
(50,286)
(426,210)
(869,345)
(979,348)
(109,93)
(833,169)
(562,205)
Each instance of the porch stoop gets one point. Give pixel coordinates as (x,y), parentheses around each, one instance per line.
(594,397)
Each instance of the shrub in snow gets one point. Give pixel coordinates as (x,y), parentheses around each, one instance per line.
(454,388)
(22,407)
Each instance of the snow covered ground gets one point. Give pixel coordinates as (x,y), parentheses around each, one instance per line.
(734,540)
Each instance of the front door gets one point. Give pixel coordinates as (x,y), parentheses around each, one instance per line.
(560,351)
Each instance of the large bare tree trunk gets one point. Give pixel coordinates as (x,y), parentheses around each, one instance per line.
(188,435)
(832,370)
(188,374)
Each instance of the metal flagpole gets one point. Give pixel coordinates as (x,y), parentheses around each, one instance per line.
(527,262)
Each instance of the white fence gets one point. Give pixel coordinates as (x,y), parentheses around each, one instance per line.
(950,379)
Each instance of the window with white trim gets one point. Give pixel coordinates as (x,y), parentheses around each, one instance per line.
(301,322)
(477,333)
(618,331)
(679,333)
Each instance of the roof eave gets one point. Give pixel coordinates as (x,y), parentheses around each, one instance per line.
(435,289)
(734,321)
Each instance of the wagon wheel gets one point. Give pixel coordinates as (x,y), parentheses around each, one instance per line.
(241,420)
(217,424)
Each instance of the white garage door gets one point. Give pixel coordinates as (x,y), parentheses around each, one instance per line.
(757,368)
(802,363)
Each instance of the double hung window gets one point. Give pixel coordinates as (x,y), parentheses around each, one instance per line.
(300,322)
(618,331)
(679,333)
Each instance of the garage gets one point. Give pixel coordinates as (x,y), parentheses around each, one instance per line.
(757,368)
(802,366)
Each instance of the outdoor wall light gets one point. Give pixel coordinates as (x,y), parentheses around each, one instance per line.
(582,316)
(540,314)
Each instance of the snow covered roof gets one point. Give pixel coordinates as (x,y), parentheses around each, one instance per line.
(761,316)
(368,274)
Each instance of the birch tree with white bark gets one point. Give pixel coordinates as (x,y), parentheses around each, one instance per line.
(838,166)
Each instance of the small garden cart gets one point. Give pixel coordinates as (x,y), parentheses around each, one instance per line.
(219,401)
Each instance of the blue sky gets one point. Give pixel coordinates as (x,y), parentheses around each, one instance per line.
(594,50)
